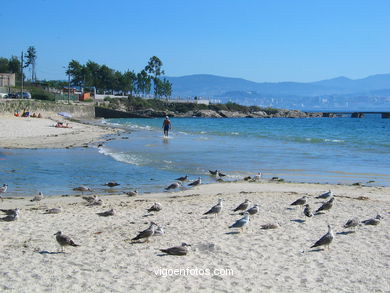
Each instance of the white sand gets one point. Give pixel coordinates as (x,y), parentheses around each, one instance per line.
(261,260)
(20,132)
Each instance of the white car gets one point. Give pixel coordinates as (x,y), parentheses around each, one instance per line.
(3,95)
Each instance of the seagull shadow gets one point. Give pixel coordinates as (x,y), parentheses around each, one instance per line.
(345,232)
(319,213)
(290,209)
(162,254)
(232,233)
(300,221)
(316,250)
(50,252)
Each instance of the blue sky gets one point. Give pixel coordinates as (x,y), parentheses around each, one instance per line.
(256,40)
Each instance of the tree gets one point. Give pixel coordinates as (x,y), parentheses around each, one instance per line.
(154,68)
(4,65)
(143,82)
(14,67)
(31,58)
(92,73)
(77,72)
(128,82)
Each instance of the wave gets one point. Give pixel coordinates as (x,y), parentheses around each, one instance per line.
(122,157)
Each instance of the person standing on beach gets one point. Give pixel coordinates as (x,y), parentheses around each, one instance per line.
(166,126)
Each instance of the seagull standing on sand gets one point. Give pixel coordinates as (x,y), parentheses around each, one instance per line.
(325,195)
(12,215)
(300,201)
(82,189)
(156,207)
(174,185)
(241,223)
(64,240)
(159,231)
(90,199)
(3,189)
(38,197)
(54,210)
(325,240)
(373,221)
(146,233)
(215,210)
(307,211)
(214,173)
(326,205)
(107,213)
(196,182)
(253,210)
(177,250)
(257,177)
(243,206)
(132,193)
(352,223)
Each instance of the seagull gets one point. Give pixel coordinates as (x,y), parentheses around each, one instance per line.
(196,182)
(159,231)
(183,178)
(326,205)
(174,185)
(146,233)
(241,223)
(253,210)
(269,226)
(214,173)
(156,207)
(247,178)
(38,197)
(90,199)
(12,215)
(307,211)
(215,209)
(96,202)
(326,239)
(132,193)
(325,195)
(3,189)
(177,250)
(300,201)
(64,240)
(111,184)
(257,177)
(54,210)
(219,174)
(107,213)
(352,223)
(373,221)
(82,189)
(243,206)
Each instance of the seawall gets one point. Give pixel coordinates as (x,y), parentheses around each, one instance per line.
(85,111)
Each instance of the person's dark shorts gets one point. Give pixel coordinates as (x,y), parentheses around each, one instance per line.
(166,128)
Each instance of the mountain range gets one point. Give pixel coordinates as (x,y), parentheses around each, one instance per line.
(372,92)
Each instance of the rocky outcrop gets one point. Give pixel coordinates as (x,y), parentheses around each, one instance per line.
(232,114)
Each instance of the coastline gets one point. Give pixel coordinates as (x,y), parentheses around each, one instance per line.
(29,133)
(277,260)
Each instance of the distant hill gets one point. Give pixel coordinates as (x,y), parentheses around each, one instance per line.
(369,92)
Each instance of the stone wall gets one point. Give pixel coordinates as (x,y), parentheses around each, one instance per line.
(86,111)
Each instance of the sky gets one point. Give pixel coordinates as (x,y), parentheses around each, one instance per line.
(262,41)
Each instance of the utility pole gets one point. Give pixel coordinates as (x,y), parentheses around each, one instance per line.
(21,69)
(68,86)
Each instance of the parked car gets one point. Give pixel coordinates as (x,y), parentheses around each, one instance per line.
(3,95)
(26,95)
(11,96)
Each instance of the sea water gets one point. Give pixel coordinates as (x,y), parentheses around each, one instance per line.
(325,150)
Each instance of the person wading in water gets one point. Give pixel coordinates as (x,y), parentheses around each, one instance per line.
(166,126)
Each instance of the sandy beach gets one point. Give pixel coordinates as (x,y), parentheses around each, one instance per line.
(27,132)
(256,260)
(220,259)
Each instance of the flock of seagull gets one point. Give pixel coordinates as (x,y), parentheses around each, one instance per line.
(156,230)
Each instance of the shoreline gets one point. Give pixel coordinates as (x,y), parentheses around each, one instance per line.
(278,260)
(33,133)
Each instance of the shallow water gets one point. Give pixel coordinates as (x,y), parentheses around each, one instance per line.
(338,150)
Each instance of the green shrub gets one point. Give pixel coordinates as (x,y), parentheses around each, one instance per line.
(41,94)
